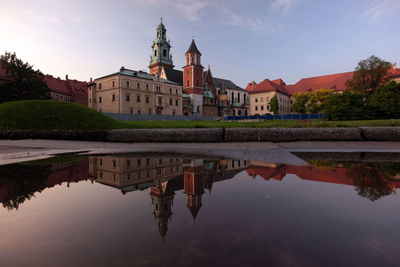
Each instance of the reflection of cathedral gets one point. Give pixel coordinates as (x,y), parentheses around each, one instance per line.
(165,176)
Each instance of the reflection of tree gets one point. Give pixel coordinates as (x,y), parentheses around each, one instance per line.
(25,180)
(370,178)
(369,182)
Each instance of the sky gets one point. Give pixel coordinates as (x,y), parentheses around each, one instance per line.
(241,40)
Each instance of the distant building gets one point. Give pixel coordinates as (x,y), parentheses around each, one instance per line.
(261,93)
(63,90)
(135,92)
(203,94)
(67,90)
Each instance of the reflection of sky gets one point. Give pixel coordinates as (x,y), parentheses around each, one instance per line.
(242,222)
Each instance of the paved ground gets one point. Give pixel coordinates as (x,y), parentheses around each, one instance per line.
(12,151)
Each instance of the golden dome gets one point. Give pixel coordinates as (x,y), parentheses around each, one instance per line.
(223,97)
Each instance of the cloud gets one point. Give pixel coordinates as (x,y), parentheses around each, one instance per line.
(381,8)
(226,12)
(283,5)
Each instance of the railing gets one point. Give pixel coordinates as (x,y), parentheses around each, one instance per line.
(276,117)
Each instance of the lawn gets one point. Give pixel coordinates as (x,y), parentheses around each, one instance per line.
(57,115)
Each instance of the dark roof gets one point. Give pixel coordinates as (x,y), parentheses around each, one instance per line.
(175,76)
(228,84)
(134,73)
(193,48)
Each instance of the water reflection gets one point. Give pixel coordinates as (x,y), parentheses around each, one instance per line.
(166,175)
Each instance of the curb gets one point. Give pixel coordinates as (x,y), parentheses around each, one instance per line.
(212,135)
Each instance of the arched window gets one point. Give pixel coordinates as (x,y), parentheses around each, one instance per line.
(155,53)
(187,83)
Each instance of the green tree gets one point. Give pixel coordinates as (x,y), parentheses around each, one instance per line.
(386,99)
(346,106)
(318,100)
(24,83)
(274,105)
(369,74)
(300,101)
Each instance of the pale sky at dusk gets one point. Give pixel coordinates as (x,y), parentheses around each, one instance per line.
(242,40)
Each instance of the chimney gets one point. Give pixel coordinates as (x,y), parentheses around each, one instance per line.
(91,80)
(122,68)
(66,77)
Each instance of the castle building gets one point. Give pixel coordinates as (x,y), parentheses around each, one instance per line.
(135,92)
(202,93)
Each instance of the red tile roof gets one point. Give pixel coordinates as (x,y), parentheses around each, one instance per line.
(268,86)
(336,82)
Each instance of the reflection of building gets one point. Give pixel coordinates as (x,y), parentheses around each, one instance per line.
(23,181)
(132,173)
(194,183)
(162,199)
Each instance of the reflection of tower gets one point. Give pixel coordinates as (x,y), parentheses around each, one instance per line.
(162,201)
(194,185)
(210,172)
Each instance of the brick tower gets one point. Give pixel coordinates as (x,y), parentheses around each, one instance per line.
(193,78)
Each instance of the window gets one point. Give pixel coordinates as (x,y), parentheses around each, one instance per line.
(155,53)
(150,111)
(177,102)
(262,107)
(128,97)
(113,83)
(158,88)
(160,100)
(138,98)
(187,83)
(138,85)
(147,86)
(114,163)
(99,86)
(147,161)
(90,100)
(198,108)
(113,98)
(131,111)
(262,99)
(256,100)
(256,107)
(176,91)
(170,90)
(99,99)
(164,52)
(127,84)
(173,113)
(147,99)
(101,161)
(128,163)
(170,101)
(139,162)
(139,111)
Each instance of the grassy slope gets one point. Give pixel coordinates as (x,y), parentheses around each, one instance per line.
(51,115)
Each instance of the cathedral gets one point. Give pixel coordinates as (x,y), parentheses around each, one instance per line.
(202,93)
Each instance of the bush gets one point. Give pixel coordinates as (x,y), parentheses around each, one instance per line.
(386,99)
(346,106)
